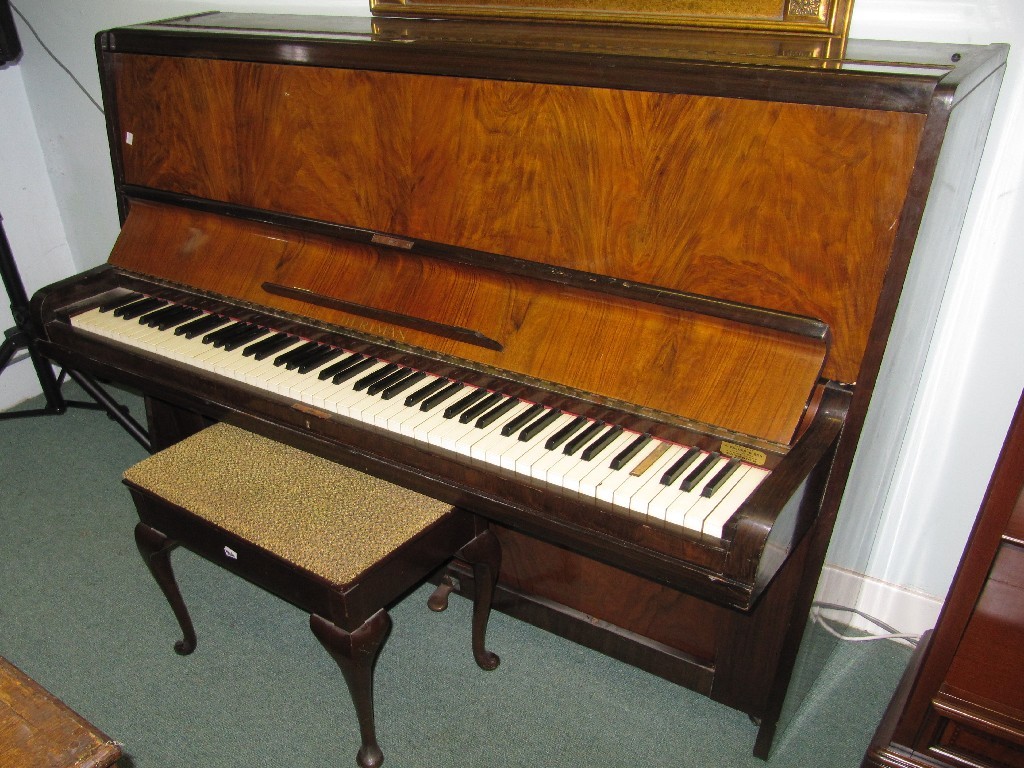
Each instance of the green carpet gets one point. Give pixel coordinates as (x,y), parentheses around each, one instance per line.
(80,613)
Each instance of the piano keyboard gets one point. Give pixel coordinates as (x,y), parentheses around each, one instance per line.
(650,479)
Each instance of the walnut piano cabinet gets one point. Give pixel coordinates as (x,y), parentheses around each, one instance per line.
(961,701)
(700,236)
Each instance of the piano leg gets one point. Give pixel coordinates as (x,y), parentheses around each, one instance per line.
(356,654)
(155,549)
(169,424)
(484,554)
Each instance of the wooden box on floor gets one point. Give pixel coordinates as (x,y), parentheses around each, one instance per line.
(37,729)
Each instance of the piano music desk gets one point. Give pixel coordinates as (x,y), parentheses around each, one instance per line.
(335,542)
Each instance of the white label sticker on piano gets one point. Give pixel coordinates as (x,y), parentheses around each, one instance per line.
(129,138)
(230,553)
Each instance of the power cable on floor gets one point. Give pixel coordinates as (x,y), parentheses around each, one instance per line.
(889,633)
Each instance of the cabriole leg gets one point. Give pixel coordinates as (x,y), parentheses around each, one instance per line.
(155,549)
(356,654)
(484,554)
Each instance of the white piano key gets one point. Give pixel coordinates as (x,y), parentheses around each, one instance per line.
(640,499)
(704,506)
(601,469)
(727,507)
(675,509)
(526,462)
(616,481)
(494,443)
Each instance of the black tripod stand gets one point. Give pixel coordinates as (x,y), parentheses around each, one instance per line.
(23,336)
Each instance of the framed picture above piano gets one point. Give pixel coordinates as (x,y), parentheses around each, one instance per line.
(809,17)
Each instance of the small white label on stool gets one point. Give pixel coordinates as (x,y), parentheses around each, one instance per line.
(129,138)
(230,553)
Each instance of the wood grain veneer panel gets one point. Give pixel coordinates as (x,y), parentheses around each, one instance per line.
(786,206)
(747,379)
(625,600)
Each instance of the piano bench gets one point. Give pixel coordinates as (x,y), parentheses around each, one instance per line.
(339,544)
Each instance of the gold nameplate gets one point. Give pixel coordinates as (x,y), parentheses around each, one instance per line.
(749,455)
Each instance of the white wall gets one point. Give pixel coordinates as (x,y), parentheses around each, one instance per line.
(30,219)
(905,521)
(975,369)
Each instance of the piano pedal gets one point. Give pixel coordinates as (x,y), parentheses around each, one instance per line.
(438,601)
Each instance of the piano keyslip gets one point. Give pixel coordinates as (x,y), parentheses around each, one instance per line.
(567,452)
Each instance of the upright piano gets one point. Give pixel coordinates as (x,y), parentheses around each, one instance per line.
(621,290)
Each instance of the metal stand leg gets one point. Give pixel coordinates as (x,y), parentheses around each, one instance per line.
(24,336)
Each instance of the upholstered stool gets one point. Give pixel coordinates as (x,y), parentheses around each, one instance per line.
(339,544)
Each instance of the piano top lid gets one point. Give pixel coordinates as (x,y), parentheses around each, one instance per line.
(791,67)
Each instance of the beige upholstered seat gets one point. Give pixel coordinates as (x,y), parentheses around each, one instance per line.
(320,516)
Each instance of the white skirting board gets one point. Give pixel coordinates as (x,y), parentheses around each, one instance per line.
(906,610)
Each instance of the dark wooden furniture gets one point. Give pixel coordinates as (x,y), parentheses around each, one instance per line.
(699,236)
(38,729)
(339,544)
(961,701)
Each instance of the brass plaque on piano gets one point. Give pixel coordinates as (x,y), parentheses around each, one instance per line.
(749,455)
(817,17)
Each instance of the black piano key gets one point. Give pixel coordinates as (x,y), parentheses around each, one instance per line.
(355,369)
(403,384)
(340,367)
(186,314)
(423,393)
(539,425)
(439,397)
(200,326)
(715,483)
(392,378)
(679,466)
(157,316)
(294,353)
(496,413)
(241,339)
(138,308)
(321,358)
(218,337)
(583,438)
(374,376)
(456,408)
(481,407)
(524,418)
(565,433)
(311,353)
(593,450)
(120,301)
(264,348)
(702,469)
(622,458)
